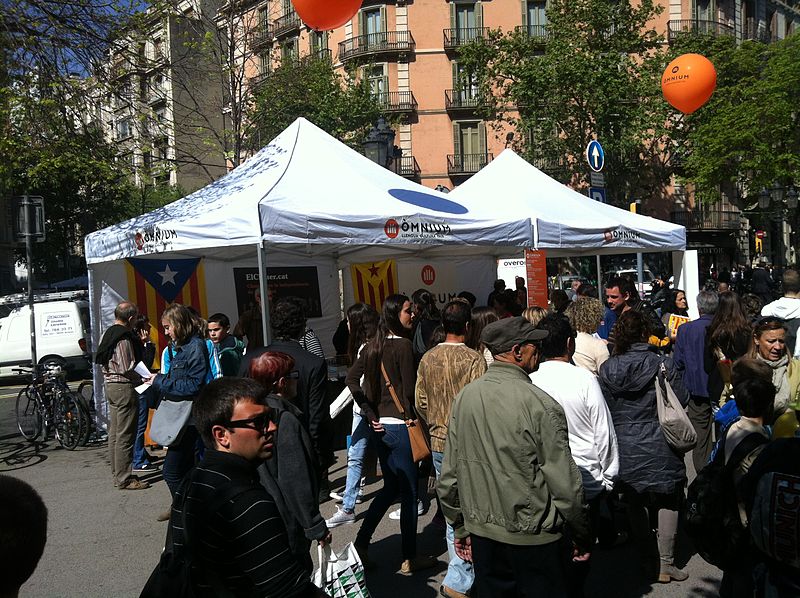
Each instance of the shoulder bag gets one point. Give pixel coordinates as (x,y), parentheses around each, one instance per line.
(171,416)
(417,429)
(675,424)
(724,367)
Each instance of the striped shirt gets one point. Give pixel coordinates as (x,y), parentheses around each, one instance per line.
(242,545)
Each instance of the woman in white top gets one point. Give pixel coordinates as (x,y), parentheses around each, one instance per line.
(585,315)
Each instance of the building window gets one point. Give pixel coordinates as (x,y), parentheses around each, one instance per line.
(263,20)
(465,85)
(124,128)
(319,41)
(157,49)
(264,64)
(289,50)
(464,16)
(469,145)
(535,16)
(372,21)
(704,10)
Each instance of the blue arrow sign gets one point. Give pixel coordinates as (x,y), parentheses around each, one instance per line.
(595,156)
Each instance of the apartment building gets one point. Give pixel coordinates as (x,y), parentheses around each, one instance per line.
(164,105)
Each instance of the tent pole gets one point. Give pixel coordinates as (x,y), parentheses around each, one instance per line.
(599,279)
(262,283)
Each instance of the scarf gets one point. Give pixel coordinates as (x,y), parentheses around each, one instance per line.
(780,380)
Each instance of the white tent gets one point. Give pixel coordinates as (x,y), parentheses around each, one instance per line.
(566,222)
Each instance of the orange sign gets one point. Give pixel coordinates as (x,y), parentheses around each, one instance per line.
(536,273)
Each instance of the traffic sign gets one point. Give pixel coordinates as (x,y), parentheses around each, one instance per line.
(595,155)
(761,234)
(597,179)
(597,194)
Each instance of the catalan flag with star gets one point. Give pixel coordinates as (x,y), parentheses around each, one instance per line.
(153,284)
(374,281)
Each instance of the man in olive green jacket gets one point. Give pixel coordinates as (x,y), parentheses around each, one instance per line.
(508,480)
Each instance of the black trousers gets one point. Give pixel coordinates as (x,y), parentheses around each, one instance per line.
(699,412)
(511,571)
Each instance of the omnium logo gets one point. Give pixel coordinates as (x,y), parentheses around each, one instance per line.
(620,234)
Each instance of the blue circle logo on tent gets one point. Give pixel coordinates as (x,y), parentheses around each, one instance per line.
(428,201)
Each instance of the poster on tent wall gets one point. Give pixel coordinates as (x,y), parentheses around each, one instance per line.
(288,281)
(153,284)
(374,281)
(536,274)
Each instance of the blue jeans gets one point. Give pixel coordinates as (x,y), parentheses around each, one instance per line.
(180,459)
(399,477)
(359,439)
(460,575)
(145,403)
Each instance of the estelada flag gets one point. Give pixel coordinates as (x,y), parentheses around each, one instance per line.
(155,283)
(374,281)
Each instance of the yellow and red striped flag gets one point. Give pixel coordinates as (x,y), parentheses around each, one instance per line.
(153,284)
(374,281)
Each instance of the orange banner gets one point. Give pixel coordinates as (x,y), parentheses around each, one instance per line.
(536,273)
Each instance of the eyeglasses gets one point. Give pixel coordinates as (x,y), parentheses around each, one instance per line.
(258,423)
(293,375)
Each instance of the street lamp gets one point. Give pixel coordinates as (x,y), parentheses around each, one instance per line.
(777,193)
(791,198)
(379,145)
(763,199)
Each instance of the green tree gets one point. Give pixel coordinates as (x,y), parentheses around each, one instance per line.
(48,152)
(748,135)
(310,87)
(588,75)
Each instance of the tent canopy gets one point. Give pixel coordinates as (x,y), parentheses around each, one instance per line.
(566,222)
(308,194)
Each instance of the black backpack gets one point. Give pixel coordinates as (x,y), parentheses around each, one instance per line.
(712,518)
(174,576)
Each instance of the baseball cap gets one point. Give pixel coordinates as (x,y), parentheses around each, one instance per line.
(502,335)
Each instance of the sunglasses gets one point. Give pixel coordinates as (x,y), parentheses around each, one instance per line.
(258,423)
(293,375)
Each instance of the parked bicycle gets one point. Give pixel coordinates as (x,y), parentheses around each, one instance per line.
(48,405)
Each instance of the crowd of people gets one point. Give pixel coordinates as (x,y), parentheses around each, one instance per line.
(543,428)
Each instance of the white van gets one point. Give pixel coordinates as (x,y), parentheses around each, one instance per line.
(62,334)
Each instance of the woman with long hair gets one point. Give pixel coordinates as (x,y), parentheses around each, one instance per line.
(729,336)
(769,347)
(651,474)
(188,372)
(290,476)
(481,317)
(387,358)
(426,318)
(675,304)
(362,323)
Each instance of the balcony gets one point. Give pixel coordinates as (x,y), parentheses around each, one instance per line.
(319,54)
(397,101)
(409,168)
(466,164)
(261,36)
(678,27)
(535,32)
(286,24)
(461,99)
(707,220)
(259,79)
(455,38)
(156,96)
(374,44)
(752,31)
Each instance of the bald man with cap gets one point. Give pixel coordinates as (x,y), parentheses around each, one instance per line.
(508,483)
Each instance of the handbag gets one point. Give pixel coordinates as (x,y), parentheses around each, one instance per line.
(169,421)
(340,575)
(675,424)
(417,429)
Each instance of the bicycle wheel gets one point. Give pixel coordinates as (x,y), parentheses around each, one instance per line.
(29,418)
(69,423)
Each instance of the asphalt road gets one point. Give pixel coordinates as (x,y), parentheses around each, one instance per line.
(103,542)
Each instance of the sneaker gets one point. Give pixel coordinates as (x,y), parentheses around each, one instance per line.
(145,468)
(134,484)
(339,497)
(164,515)
(418,563)
(395,515)
(670,573)
(341,517)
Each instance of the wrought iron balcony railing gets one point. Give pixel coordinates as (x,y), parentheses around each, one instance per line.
(537,32)
(286,24)
(385,42)
(698,26)
(707,220)
(261,36)
(397,101)
(460,164)
(458,99)
(409,168)
(454,38)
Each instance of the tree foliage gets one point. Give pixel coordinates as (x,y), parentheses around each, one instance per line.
(311,88)
(46,153)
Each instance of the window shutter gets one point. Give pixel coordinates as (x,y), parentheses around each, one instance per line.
(524,4)
(456,82)
(452,15)
(361,23)
(479,15)
(456,139)
(482,141)
(384,23)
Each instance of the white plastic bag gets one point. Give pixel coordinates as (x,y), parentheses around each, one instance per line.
(339,403)
(340,575)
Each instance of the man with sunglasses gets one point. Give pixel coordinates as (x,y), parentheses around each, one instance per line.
(223,519)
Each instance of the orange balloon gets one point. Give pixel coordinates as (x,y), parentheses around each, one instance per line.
(324,15)
(688,82)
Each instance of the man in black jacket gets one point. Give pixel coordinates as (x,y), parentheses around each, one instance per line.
(621,295)
(288,324)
